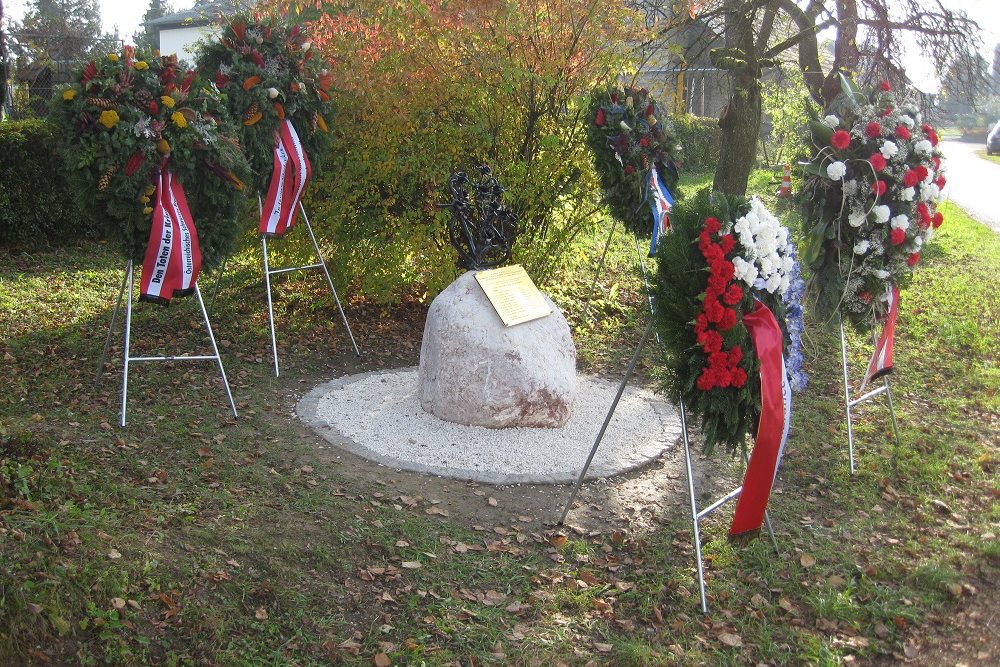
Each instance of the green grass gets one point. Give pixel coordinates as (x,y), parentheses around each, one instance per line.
(231,542)
(995,159)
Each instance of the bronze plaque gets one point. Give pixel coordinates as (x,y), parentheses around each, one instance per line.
(513,295)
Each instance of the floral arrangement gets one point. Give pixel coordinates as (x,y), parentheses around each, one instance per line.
(723,255)
(870,202)
(127,115)
(631,134)
(268,72)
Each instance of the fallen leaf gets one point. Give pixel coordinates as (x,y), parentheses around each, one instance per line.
(381,660)
(260,614)
(492,501)
(118,603)
(114,554)
(436,510)
(806,560)
(411,565)
(558,540)
(205,452)
(603,648)
(730,639)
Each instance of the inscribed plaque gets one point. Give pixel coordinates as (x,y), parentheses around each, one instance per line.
(513,294)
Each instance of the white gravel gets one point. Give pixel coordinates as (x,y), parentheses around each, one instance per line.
(378,416)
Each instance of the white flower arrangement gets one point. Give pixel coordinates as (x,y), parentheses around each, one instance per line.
(766,261)
(888,149)
(831,121)
(836,170)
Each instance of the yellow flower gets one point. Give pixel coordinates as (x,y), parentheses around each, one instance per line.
(150,189)
(69,94)
(109,118)
(167,101)
(162,146)
(179,119)
(113,57)
(141,64)
(147,210)
(145,200)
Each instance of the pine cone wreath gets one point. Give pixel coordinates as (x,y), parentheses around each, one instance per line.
(100,102)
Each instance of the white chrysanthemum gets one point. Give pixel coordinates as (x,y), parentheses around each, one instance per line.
(918,241)
(773,282)
(836,170)
(745,271)
(861,247)
(882,274)
(882,213)
(900,222)
(923,147)
(850,187)
(925,192)
(888,149)
(907,121)
(907,194)
(935,191)
(831,121)
(856,218)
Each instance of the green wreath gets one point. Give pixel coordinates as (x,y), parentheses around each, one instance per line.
(630,134)
(269,71)
(722,253)
(122,119)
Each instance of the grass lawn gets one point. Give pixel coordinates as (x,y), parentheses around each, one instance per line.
(193,538)
(992,158)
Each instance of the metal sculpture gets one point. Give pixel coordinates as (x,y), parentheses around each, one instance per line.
(482,228)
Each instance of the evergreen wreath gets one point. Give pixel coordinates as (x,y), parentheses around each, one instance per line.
(869,202)
(629,135)
(722,253)
(269,71)
(124,117)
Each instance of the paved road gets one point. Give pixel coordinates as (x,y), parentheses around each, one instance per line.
(973,183)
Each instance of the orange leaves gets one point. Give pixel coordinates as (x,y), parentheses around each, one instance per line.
(254,119)
(280,110)
(321,122)
(251,81)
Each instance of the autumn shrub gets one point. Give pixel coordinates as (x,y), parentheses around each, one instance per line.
(698,138)
(424,89)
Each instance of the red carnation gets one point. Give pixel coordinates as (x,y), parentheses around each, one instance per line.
(888,110)
(940,181)
(902,132)
(865,296)
(644,142)
(937,219)
(705,381)
(873,130)
(933,137)
(734,294)
(153,108)
(739,377)
(921,172)
(879,188)
(885,86)
(913,259)
(600,118)
(735,355)
(910,178)
(878,162)
(923,211)
(712,225)
(926,128)
(727,242)
(840,140)
(728,319)
(897,236)
(727,270)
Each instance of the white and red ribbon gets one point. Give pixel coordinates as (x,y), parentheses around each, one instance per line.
(661,202)
(289,177)
(775,419)
(881,361)
(173,257)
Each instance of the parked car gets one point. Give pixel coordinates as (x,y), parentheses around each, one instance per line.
(993,140)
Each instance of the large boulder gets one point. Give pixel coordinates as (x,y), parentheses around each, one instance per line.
(474,370)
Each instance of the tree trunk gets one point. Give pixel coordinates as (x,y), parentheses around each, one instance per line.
(740,120)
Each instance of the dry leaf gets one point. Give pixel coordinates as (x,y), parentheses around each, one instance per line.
(114,554)
(492,501)
(730,639)
(806,560)
(411,565)
(439,511)
(118,603)
(558,540)
(603,648)
(381,660)
(260,614)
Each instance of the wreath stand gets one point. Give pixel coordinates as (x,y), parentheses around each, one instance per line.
(696,514)
(268,272)
(129,284)
(849,403)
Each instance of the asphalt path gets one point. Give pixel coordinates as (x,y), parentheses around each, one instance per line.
(973,182)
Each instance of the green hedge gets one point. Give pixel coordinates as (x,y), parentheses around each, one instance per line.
(36,207)
(699,139)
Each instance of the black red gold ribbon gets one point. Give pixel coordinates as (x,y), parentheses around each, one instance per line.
(881,361)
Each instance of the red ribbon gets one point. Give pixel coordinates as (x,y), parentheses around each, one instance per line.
(173,258)
(772,428)
(289,177)
(881,361)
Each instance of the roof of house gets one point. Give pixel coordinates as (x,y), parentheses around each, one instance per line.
(203,13)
